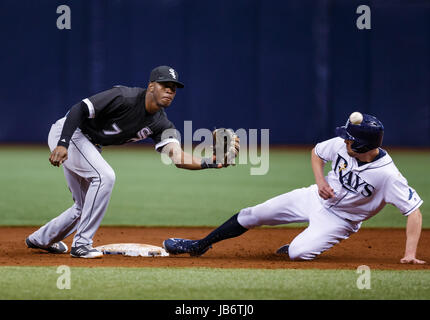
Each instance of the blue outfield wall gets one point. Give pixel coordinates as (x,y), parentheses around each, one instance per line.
(297,68)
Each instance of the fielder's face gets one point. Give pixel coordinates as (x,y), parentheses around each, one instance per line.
(163,93)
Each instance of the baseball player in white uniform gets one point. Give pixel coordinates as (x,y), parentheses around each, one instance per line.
(362,180)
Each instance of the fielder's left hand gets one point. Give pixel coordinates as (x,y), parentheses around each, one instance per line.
(58,156)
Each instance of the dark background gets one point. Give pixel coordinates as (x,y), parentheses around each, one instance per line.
(298,68)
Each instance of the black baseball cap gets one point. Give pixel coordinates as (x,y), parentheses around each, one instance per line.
(165,74)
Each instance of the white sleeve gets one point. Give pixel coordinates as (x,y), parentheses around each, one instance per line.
(327,150)
(401,195)
(158,146)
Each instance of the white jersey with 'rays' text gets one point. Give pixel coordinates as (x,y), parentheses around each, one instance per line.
(361,191)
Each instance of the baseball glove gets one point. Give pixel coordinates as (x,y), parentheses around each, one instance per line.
(225,146)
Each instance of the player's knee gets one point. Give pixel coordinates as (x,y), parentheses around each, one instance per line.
(300,253)
(247,219)
(108,177)
(77,209)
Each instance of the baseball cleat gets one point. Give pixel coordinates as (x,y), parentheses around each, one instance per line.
(86,252)
(179,246)
(57,247)
(283,250)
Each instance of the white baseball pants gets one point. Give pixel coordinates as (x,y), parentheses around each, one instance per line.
(301,205)
(90,180)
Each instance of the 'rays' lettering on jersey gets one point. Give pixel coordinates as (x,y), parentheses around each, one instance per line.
(352,181)
(142,134)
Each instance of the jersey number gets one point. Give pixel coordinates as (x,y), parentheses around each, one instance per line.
(115,130)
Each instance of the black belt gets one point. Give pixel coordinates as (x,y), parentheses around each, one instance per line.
(97,145)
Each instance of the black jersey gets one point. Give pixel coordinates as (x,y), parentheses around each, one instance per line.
(118,115)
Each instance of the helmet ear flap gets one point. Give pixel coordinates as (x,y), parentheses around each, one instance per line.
(359,147)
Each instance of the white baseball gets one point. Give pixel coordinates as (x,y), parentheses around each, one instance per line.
(356,118)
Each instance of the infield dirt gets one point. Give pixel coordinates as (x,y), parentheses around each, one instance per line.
(376,248)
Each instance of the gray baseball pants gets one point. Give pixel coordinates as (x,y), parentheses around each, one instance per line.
(90,179)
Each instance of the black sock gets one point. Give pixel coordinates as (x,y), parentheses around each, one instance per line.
(229,229)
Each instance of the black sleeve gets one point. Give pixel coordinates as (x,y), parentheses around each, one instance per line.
(166,133)
(76,115)
(87,108)
(99,101)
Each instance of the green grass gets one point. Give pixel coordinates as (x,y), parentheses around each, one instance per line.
(147,192)
(210,284)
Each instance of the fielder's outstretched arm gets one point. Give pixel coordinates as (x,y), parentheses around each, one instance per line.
(413,233)
(185,160)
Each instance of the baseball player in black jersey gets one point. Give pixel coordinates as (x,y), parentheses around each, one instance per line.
(113,117)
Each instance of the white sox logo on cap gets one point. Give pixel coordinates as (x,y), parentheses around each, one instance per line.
(165,74)
(173,73)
